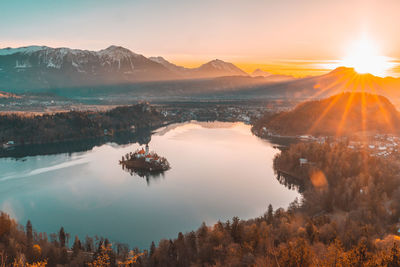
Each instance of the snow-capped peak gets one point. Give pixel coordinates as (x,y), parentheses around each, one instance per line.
(25,50)
(116,52)
(159,59)
(219,64)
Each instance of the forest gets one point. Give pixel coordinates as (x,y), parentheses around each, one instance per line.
(348,216)
(76,125)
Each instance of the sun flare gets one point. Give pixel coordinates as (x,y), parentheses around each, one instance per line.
(364,57)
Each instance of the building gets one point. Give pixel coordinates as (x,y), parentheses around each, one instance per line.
(148,158)
(8,144)
(144,153)
(303,161)
(141,153)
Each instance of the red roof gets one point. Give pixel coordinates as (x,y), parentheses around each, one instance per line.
(141,151)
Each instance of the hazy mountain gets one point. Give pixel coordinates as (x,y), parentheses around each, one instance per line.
(214,68)
(224,88)
(272,77)
(260,72)
(181,71)
(339,80)
(218,67)
(347,79)
(342,114)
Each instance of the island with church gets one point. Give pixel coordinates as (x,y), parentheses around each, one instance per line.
(142,160)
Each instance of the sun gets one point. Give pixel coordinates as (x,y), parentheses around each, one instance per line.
(364,57)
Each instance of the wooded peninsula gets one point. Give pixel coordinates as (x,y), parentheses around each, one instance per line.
(77,125)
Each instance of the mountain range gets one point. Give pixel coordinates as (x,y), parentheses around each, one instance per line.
(123,74)
(341,79)
(42,67)
(214,68)
(272,77)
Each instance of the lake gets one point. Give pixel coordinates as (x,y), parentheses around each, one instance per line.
(219,170)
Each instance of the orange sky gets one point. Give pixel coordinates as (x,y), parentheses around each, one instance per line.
(297,68)
(285,36)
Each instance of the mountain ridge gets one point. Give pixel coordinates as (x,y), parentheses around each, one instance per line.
(46,67)
(213,68)
(42,68)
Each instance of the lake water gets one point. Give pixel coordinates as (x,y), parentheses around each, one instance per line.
(219,170)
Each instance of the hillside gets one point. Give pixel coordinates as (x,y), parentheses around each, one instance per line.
(341,114)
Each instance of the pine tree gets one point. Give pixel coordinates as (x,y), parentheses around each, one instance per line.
(236,230)
(270,214)
(62,237)
(152,249)
(76,247)
(29,233)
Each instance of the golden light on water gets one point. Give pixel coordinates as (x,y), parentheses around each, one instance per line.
(365,57)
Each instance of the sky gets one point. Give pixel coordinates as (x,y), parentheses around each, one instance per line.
(283,36)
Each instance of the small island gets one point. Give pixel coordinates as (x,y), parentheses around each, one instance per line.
(144,161)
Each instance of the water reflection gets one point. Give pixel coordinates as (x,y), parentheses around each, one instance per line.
(141,136)
(289,181)
(218,171)
(148,176)
(144,163)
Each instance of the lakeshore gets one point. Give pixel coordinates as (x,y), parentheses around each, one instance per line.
(91,185)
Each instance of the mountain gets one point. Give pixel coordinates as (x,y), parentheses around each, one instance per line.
(212,69)
(218,67)
(272,77)
(347,79)
(46,67)
(182,71)
(339,80)
(41,68)
(260,72)
(341,114)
